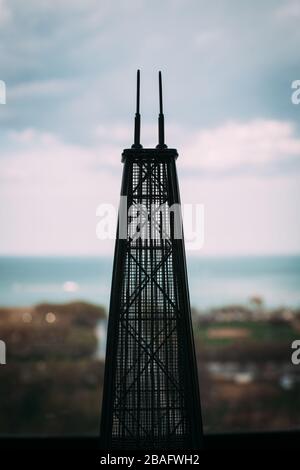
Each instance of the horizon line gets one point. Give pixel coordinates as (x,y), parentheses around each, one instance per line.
(188,254)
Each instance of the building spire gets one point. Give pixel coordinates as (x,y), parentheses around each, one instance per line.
(137,119)
(161,119)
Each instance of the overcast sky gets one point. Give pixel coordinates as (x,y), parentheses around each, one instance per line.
(69,68)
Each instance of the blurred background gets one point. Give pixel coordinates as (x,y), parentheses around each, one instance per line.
(69,67)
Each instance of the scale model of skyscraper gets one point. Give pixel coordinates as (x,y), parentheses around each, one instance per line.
(151,394)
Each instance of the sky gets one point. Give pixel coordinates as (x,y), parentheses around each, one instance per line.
(69,67)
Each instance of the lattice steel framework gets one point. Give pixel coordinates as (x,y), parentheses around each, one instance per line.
(151,395)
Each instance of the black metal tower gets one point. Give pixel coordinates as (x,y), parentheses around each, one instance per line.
(151,395)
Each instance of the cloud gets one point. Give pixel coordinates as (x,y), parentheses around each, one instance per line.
(256,145)
(289,10)
(44,88)
(5,12)
(42,160)
(247,215)
(215,69)
(122,133)
(50,188)
(70,68)
(208,38)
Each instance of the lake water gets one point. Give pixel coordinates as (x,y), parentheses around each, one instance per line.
(213,282)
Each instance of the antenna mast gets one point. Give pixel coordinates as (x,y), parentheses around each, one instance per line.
(161,119)
(137,119)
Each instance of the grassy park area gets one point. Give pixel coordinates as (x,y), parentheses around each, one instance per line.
(52,382)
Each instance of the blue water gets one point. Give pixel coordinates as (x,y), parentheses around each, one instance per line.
(213,281)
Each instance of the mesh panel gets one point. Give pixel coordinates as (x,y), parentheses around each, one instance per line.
(149,399)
